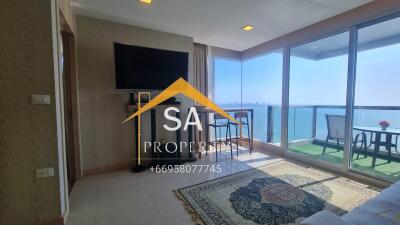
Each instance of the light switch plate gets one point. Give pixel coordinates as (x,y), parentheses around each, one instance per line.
(45,172)
(40,99)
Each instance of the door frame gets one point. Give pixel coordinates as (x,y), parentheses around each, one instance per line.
(70,104)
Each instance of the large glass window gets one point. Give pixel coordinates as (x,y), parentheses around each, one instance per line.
(227,86)
(262,88)
(227,83)
(317,98)
(318,76)
(255,83)
(377,95)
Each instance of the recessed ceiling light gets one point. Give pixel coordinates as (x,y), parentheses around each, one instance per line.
(148,2)
(247,27)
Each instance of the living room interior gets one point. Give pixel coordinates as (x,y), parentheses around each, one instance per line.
(200,112)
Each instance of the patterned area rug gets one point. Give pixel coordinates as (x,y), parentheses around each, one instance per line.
(275,194)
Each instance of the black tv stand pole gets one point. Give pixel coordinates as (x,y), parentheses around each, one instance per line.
(137,168)
(157,159)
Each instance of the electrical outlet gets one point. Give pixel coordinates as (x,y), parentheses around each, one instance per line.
(45,172)
(40,99)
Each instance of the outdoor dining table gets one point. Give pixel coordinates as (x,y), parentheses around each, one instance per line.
(378,143)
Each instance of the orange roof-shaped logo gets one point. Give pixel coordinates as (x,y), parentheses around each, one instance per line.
(180,86)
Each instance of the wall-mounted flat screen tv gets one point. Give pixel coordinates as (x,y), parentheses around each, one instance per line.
(141,68)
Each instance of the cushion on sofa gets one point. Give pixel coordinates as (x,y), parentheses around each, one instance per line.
(359,216)
(325,218)
(384,209)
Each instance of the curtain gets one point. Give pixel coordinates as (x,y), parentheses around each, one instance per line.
(200,80)
(200,68)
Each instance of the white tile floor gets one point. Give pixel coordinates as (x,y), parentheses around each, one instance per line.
(125,198)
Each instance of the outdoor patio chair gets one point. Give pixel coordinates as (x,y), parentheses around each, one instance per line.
(336,127)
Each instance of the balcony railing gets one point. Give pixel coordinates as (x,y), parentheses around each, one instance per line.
(314,113)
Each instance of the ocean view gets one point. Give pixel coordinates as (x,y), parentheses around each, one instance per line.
(301,120)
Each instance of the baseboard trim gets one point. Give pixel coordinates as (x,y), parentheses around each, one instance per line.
(106,169)
(59,221)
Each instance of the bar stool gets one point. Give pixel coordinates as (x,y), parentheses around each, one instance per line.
(218,125)
(243,119)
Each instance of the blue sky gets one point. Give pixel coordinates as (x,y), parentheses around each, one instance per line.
(321,82)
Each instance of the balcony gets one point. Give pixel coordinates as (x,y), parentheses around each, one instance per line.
(308,130)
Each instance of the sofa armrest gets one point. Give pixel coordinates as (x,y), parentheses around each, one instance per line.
(325,218)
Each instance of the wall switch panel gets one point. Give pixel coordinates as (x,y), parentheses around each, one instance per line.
(40,99)
(45,172)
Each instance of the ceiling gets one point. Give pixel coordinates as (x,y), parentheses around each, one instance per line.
(218,22)
(375,36)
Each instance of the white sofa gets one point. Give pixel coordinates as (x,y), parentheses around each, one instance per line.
(384,209)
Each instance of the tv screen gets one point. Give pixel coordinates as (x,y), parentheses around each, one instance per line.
(143,68)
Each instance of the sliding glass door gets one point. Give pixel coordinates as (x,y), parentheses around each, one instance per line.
(317,99)
(377,101)
(318,75)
